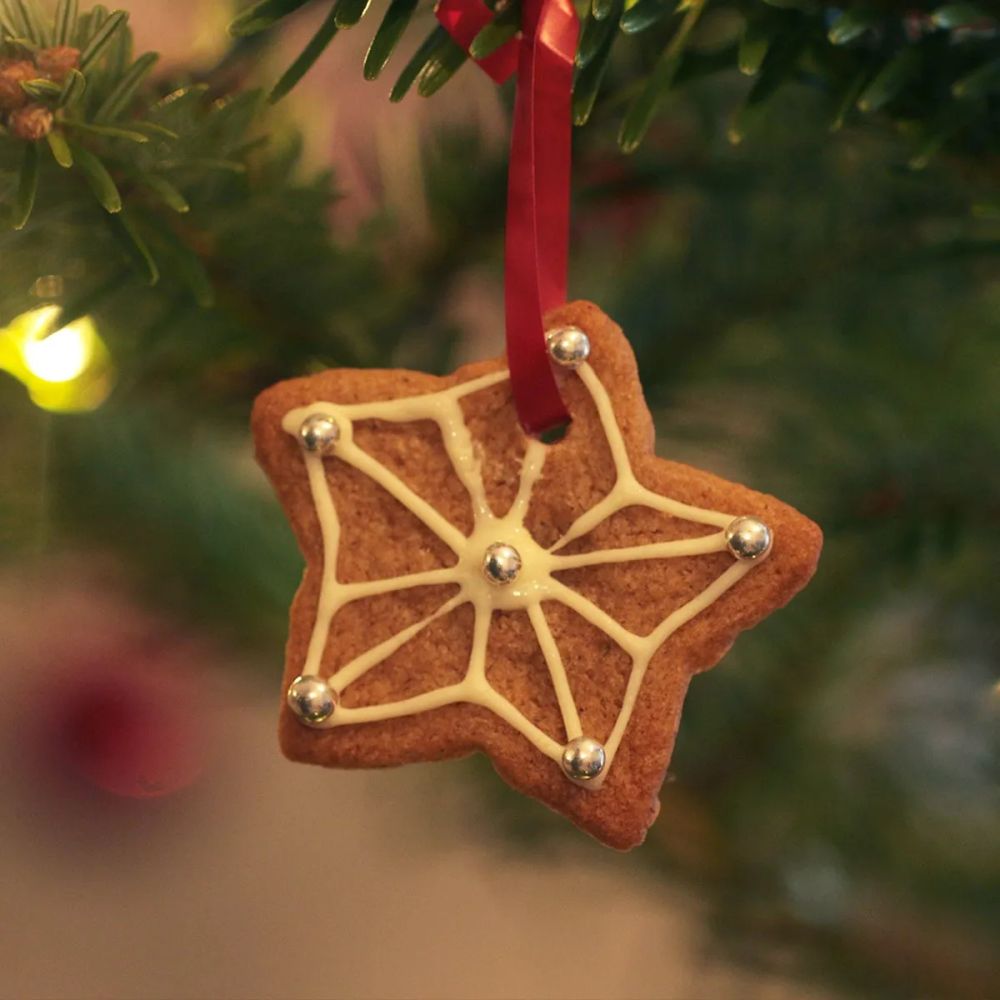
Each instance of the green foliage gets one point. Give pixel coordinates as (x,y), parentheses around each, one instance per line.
(27,187)
(176,191)
(206,525)
(905,64)
(90,103)
(822,325)
(640,113)
(309,55)
(397,17)
(812,315)
(498,32)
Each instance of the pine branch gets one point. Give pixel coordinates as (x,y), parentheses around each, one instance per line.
(144,188)
(903,66)
(73,94)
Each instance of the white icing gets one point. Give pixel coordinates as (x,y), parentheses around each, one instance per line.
(534,583)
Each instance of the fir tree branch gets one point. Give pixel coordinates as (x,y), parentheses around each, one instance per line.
(907,66)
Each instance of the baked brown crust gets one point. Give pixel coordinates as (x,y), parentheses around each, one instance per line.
(380,538)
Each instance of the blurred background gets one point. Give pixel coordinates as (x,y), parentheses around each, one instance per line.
(814,312)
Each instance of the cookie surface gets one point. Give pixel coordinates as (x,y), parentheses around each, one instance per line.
(624,588)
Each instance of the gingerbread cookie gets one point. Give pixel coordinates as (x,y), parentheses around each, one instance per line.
(469,588)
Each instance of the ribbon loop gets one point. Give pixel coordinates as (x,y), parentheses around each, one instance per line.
(463,20)
(537,236)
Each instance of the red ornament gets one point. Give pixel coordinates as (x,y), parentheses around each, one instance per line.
(130,733)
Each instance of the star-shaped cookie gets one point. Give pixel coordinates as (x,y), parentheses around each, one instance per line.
(468,588)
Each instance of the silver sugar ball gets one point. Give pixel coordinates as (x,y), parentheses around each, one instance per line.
(569,346)
(311,699)
(583,759)
(502,563)
(748,538)
(319,434)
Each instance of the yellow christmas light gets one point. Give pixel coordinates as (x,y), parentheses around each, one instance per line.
(66,369)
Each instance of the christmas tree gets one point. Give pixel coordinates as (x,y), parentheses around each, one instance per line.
(791,207)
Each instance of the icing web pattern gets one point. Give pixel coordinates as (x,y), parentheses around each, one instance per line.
(535,582)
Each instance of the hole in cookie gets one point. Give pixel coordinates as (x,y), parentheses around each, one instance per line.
(555,434)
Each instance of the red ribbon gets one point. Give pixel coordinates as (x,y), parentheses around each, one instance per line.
(463,20)
(537,247)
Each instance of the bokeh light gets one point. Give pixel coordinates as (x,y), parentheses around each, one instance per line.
(66,369)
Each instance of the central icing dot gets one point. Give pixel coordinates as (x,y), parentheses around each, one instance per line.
(501,563)
(502,567)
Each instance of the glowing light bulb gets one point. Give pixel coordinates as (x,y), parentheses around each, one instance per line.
(64,368)
(63,355)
